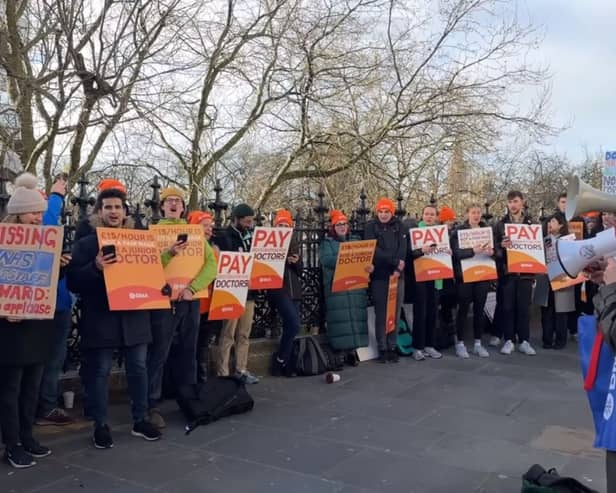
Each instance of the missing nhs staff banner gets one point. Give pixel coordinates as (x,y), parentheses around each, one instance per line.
(608,182)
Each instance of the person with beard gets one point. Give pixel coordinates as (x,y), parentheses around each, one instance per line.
(516,288)
(475,292)
(103,331)
(175,332)
(237,237)
(388,261)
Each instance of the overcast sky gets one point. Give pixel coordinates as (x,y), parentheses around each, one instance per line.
(580,47)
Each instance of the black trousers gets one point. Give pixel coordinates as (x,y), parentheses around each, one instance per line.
(424,314)
(19,393)
(556,325)
(516,292)
(379,290)
(209,331)
(475,292)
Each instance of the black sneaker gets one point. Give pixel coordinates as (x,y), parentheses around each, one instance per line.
(102,437)
(393,356)
(146,431)
(383,357)
(17,457)
(37,450)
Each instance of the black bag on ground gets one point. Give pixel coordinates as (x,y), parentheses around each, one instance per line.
(309,357)
(538,480)
(206,402)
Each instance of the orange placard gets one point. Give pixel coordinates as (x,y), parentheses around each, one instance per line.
(526,255)
(437,265)
(136,280)
(353,258)
(577,228)
(185,266)
(29,266)
(269,247)
(231,285)
(566,282)
(392,301)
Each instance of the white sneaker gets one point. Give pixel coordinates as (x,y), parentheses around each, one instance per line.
(507,348)
(432,353)
(494,341)
(526,348)
(418,355)
(480,351)
(461,351)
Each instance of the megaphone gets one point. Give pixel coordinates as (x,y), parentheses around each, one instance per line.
(582,198)
(574,256)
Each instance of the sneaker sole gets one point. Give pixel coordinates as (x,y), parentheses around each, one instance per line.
(39,456)
(145,437)
(53,423)
(101,447)
(20,466)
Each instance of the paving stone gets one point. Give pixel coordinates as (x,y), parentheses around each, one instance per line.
(93,482)
(48,471)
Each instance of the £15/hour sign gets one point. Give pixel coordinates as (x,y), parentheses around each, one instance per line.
(269,248)
(231,285)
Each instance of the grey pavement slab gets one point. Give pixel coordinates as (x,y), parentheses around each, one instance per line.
(436,426)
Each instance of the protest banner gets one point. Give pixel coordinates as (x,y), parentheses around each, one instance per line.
(392,301)
(269,248)
(231,285)
(577,229)
(185,266)
(353,259)
(480,267)
(526,255)
(563,280)
(136,280)
(29,267)
(437,265)
(608,182)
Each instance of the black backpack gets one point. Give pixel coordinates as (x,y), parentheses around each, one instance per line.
(309,357)
(206,402)
(538,480)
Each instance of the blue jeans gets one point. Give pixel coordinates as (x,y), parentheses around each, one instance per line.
(288,309)
(99,366)
(49,392)
(174,338)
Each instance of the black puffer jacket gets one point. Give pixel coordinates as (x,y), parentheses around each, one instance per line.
(391,242)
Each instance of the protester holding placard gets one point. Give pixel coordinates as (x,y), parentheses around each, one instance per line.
(103,331)
(345,315)
(286,300)
(447,298)
(388,260)
(236,332)
(25,347)
(477,291)
(175,332)
(516,288)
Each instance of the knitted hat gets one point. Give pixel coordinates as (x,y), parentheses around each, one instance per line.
(385,204)
(171,192)
(195,217)
(26,198)
(109,183)
(591,214)
(283,216)
(446,214)
(337,216)
(242,210)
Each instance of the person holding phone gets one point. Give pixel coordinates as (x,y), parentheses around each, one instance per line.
(103,331)
(49,412)
(175,332)
(25,348)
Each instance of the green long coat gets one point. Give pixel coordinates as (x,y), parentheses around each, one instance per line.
(346,312)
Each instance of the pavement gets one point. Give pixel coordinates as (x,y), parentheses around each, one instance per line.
(436,426)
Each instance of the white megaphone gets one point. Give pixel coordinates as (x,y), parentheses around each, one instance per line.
(574,256)
(582,198)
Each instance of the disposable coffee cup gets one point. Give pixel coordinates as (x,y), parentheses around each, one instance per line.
(69,399)
(332,377)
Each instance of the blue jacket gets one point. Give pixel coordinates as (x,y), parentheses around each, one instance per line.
(51,217)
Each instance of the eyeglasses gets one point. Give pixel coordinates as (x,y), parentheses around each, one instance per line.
(173,200)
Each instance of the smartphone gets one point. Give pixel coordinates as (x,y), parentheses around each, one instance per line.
(183,238)
(108,250)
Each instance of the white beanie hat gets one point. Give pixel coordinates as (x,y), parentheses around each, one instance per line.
(26,198)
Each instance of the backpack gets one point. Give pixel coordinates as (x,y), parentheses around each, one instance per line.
(404,344)
(209,401)
(538,480)
(309,357)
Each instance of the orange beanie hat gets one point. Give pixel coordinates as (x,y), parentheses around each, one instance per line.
(385,204)
(195,217)
(108,183)
(446,214)
(283,216)
(336,216)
